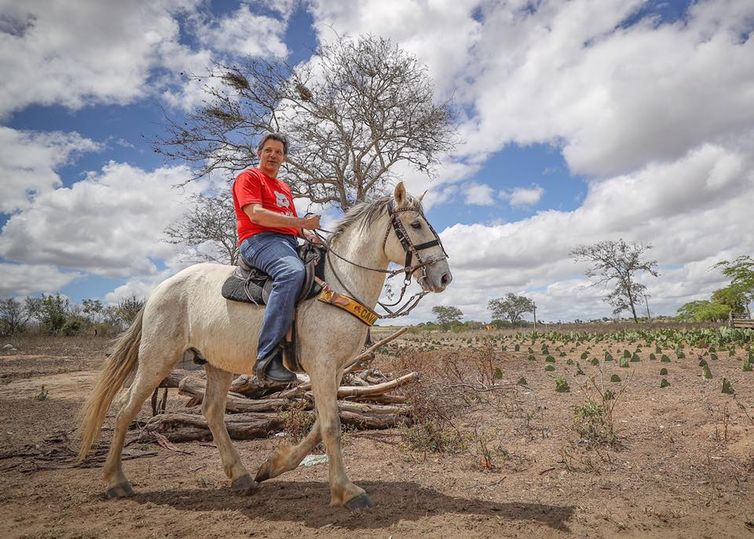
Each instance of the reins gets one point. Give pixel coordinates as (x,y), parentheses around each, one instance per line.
(408,268)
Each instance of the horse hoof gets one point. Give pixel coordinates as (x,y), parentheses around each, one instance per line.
(362,501)
(121,490)
(244,485)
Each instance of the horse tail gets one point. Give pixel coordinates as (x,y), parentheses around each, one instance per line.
(122,362)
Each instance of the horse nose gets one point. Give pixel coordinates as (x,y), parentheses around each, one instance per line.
(446,278)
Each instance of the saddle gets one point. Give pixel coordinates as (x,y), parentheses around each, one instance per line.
(251,285)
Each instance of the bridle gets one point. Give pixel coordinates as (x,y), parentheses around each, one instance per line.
(412,251)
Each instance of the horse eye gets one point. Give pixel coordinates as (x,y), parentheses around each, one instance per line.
(416,224)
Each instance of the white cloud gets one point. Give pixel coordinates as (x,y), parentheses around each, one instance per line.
(614,98)
(522,196)
(243,33)
(439,32)
(85,53)
(28,161)
(478,194)
(108,224)
(24,279)
(692,211)
(78,53)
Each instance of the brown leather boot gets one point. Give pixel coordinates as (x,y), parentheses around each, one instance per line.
(271,369)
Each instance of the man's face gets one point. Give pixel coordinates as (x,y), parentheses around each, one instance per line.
(271,156)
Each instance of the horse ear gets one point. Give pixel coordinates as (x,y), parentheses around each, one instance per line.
(400,195)
(421,197)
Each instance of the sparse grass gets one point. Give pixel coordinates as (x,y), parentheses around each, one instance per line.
(593,420)
(297,422)
(42,395)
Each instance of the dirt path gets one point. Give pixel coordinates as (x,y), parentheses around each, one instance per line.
(685,469)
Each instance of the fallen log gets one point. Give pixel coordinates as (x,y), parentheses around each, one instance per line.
(377,389)
(180,427)
(175,377)
(235,403)
(376,409)
(369,352)
(249,386)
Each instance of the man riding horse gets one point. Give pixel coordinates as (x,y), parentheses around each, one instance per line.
(268,226)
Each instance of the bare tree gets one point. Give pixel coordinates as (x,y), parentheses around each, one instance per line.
(616,263)
(362,107)
(510,307)
(13,316)
(209,230)
(128,308)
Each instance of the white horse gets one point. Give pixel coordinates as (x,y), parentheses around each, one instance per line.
(187,311)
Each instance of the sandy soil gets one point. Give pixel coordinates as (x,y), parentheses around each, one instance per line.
(684,466)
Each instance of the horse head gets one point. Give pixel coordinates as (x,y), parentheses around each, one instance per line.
(412,242)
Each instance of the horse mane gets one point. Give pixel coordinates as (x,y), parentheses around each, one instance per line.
(365,213)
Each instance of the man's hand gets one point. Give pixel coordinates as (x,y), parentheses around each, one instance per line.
(310,222)
(308,236)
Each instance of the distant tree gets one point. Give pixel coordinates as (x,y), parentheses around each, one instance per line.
(128,308)
(741,273)
(208,230)
(363,107)
(92,309)
(13,316)
(510,307)
(447,315)
(703,311)
(732,297)
(616,263)
(50,311)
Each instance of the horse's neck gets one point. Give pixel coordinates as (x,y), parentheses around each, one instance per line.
(364,247)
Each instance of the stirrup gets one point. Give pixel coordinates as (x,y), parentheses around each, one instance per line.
(271,369)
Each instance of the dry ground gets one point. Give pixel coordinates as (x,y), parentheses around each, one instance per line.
(684,466)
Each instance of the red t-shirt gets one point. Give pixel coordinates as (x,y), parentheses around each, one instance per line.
(255,187)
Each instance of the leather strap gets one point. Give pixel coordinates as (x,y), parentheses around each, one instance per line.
(348,304)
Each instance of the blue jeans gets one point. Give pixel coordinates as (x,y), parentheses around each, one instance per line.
(277,255)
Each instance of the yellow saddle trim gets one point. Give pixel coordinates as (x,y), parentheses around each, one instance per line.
(348,304)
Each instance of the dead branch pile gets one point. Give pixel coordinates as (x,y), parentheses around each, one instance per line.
(253,410)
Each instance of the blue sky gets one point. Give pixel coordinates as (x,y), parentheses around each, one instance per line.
(580,121)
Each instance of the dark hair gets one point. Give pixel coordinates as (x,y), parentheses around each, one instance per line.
(274,136)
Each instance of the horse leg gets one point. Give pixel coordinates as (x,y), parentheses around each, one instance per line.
(142,387)
(213,408)
(342,491)
(287,457)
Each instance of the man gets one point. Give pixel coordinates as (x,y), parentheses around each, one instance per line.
(267,230)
